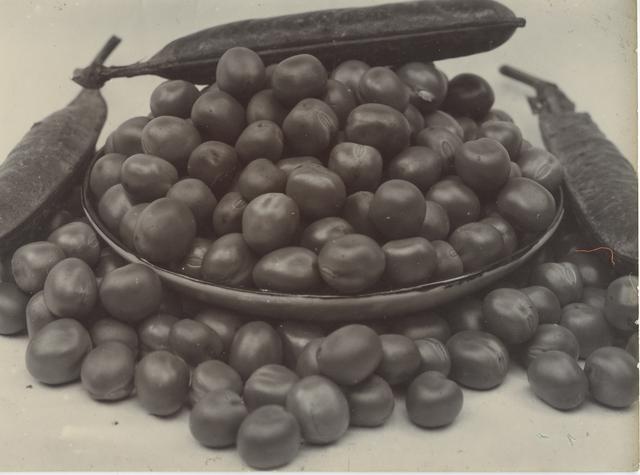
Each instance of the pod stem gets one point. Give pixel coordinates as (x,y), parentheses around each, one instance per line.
(90,77)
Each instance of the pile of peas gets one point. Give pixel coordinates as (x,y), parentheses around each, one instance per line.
(310,184)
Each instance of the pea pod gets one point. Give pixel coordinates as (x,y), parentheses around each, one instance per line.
(393,34)
(49,160)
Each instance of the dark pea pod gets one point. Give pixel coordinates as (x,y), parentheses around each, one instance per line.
(320,408)
(109,329)
(400,361)
(107,371)
(161,383)
(289,164)
(595,297)
(423,325)
(398,209)
(356,212)
(359,166)
(469,94)
(589,326)
(562,278)
(381,85)
(194,342)
(55,354)
(192,263)
(126,139)
(550,337)
(215,163)
(419,165)
(546,303)
(216,418)
(265,106)
(268,438)
(227,215)
(556,378)
(147,177)
(295,336)
(197,196)
(307,363)
(219,117)
(210,376)
(433,400)
(409,261)
(153,332)
(479,360)
(477,244)
(506,133)
(349,73)
(267,385)
(318,233)
(465,314)
(310,127)
(240,72)
(37,314)
(621,308)
(436,222)
(31,263)
(113,205)
(595,271)
(38,173)
(270,221)
(379,126)
(229,261)
(128,225)
(371,402)
(260,139)
(222,321)
(289,270)
(433,355)
(70,290)
(427,86)
(261,176)
(105,173)
(510,315)
(13,305)
(441,140)
(483,164)
(459,201)
(173,98)
(255,344)
(449,262)
(171,138)
(443,120)
(613,377)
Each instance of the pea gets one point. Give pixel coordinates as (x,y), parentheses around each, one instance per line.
(259,177)
(153,332)
(359,166)
(427,85)
(113,205)
(126,139)
(613,377)
(465,314)
(108,329)
(194,342)
(211,376)
(107,371)
(415,119)
(255,344)
(433,400)
(219,117)
(383,86)
(542,167)
(128,225)
(171,138)
(107,262)
(175,98)
(318,233)
(299,77)
(435,225)
(621,308)
(458,200)
(307,363)
(288,269)
(589,326)
(164,231)
(433,356)
(449,262)
(514,170)
(229,261)
(320,408)
(295,336)
(70,289)
(197,196)
(350,354)
(310,127)
(340,99)
(440,119)
(632,345)
(423,325)
(545,302)
(595,272)
(483,164)
(371,402)
(37,314)
(526,204)
(31,263)
(379,126)
(265,106)
(161,383)
(509,237)
(77,239)
(356,212)
(510,315)
(215,163)
(222,321)
(409,261)
(262,139)
(477,244)
(216,418)
(268,438)
(350,73)
(479,360)
(562,278)
(227,215)
(594,297)
(506,133)
(270,221)
(105,173)
(287,165)
(470,129)
(550,337)
(442,141)
(268,385)
(240,72)
(13,306)
(352,263)
(191,265)
(419,165)
(398,209)
(470,95)
(556,378)
(55,354)
(400,359)
(146,177)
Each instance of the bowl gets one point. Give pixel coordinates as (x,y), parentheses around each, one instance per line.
(327,308)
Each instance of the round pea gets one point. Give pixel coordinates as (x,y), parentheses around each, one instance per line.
(216,418)
(307,363)
(161,382)
(210,376)
(153,332)
(352,263)
(419,165)
(542,167)
(171,138)
(379,126)
(270,221)
(509,237)
(229,261)
(589,326)
(267,385)
(299,77)
(440,119)
(295,336)
(398,209)
(595,297)
(215,163)
(469,95)
(218,116)
(435,225)
(108,329)
(383,86)
(197,196)
(356,212)
(562,278)
(265,106)
(310,127)
(415,119)
(107,371)
(287,165)
(175,98)
(477,244)
(470,128)
(433,400)
(449,262)
(105,173)
(483,164)
(288,269)
(131,293)
(359,166)
(400,359)
(409,261)
(441,140)
(37,314)
(191,265)
(70,289)
(427,85)
(261,139)
(545,302)
(371,402)
(318,233)
(506,133)
(128,225)
(621,308)
(465,314)
(268,438)
(259,177)
(194,342)
(349,73)
(340,99)
(320,408)
(227,215)
(77,239)
(147,177)
(479,360)
(31,263)
(595,272)
(613,377)
(113,205)
(556,378)
(510,315)
(433,356)
(55,354)
(459,201)
(550,337)
(350,354)
(240,72)
(13,306)
(526,204)
(423,325)
(255,344)
(126,139)
(222,321)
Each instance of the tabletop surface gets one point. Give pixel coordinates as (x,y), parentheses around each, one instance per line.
(585,46)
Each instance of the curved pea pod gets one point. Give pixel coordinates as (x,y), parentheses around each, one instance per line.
(390,34)
(42,169)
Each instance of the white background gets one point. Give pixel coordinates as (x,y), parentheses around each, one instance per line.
(586,46)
